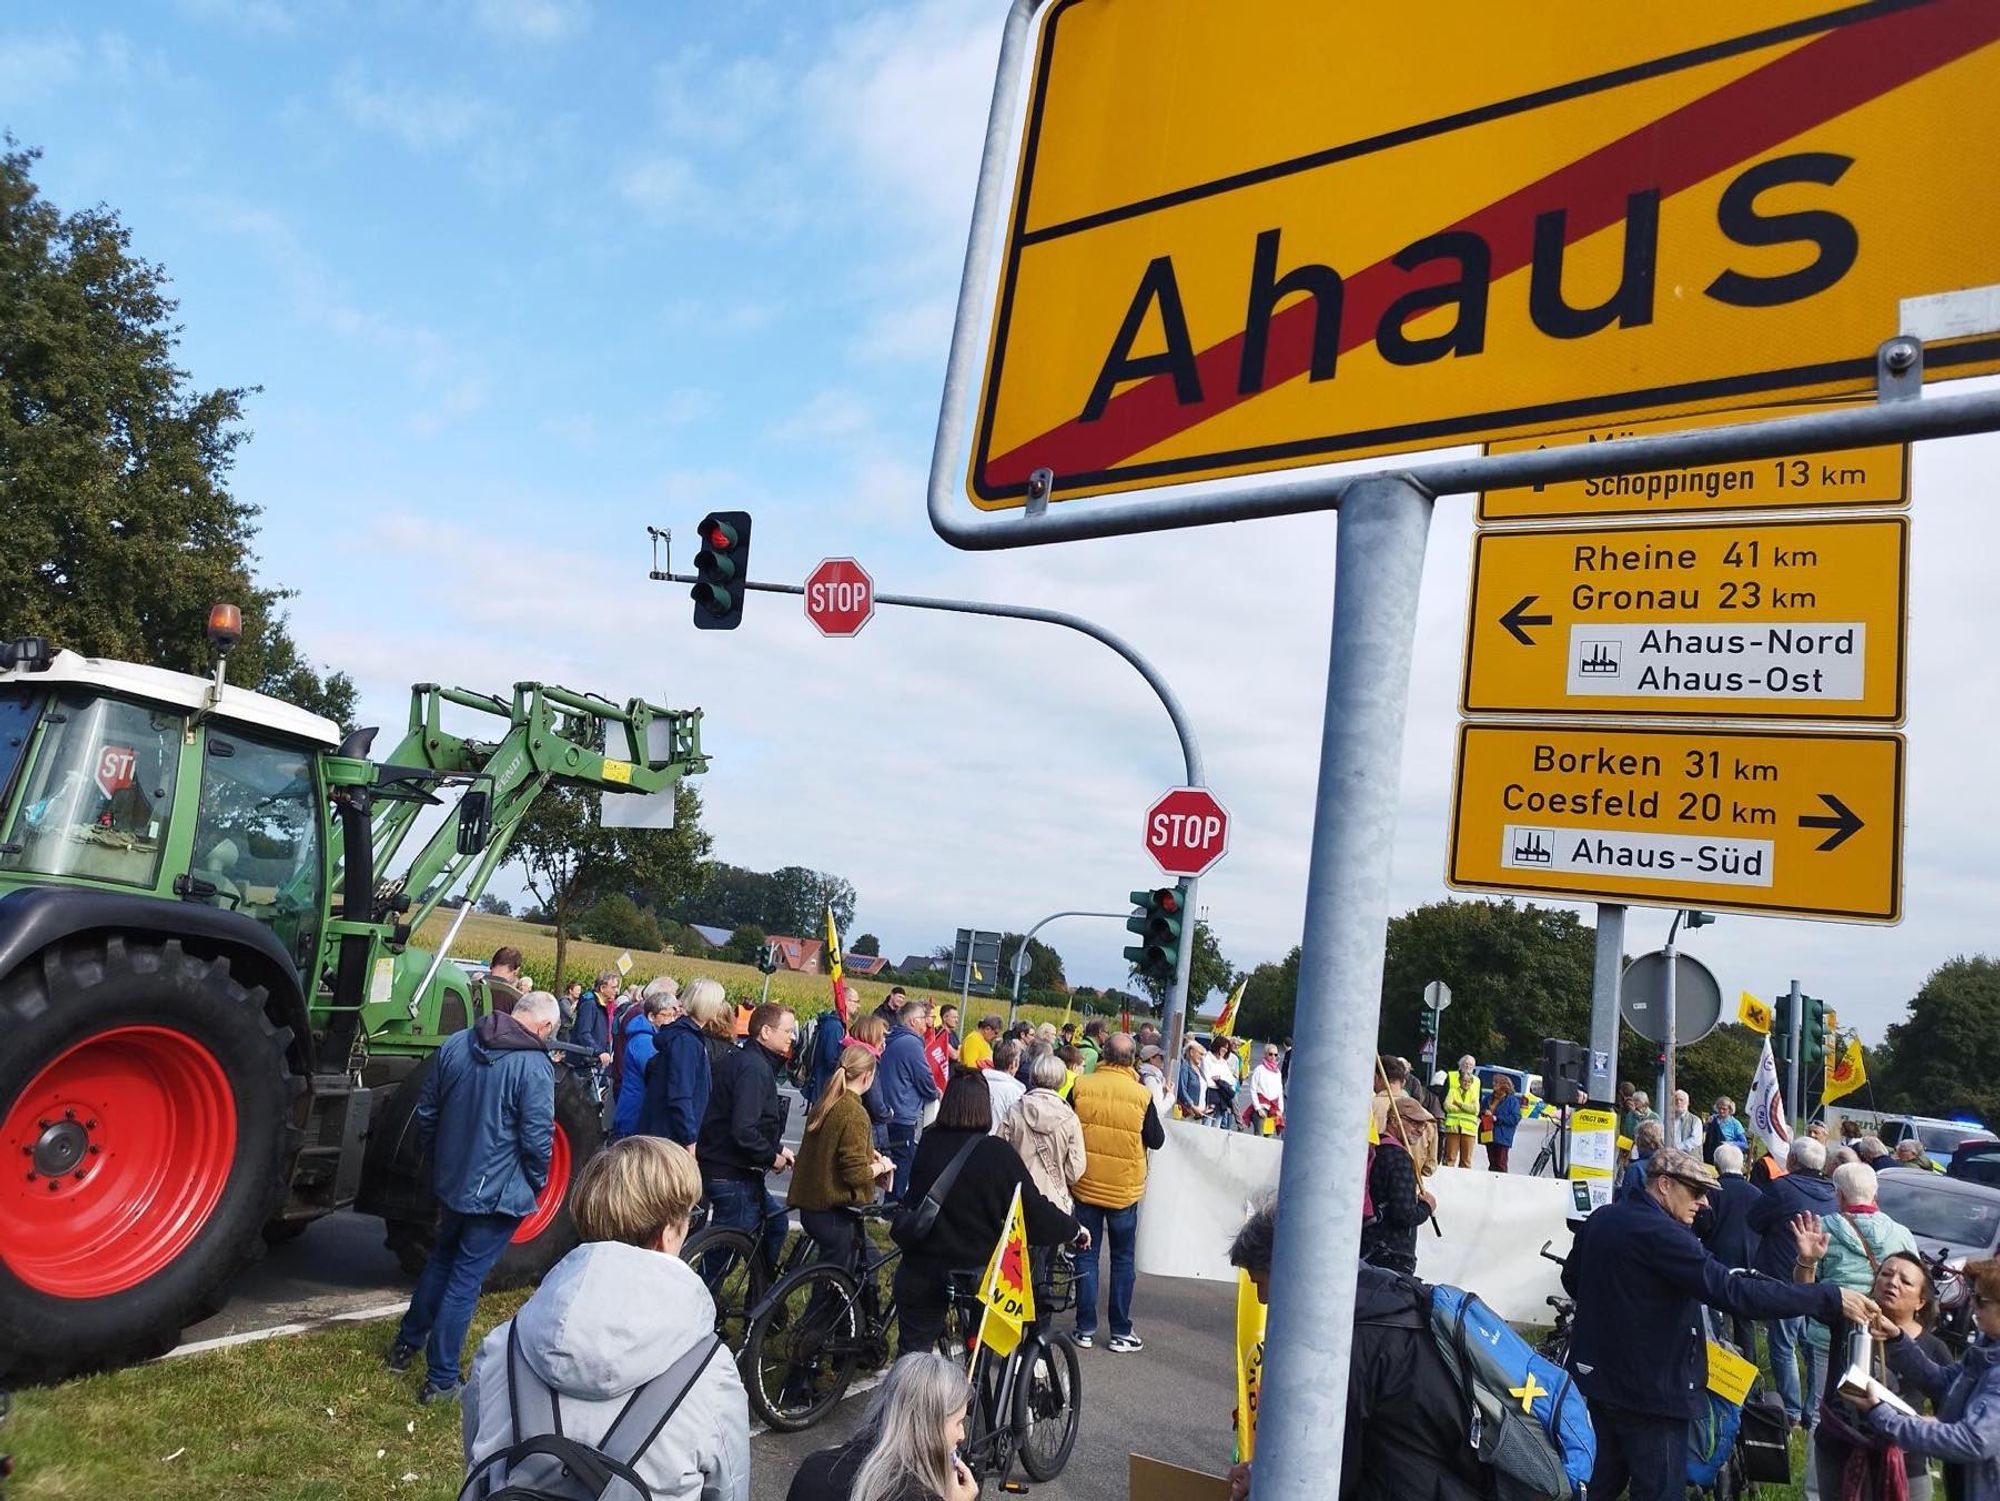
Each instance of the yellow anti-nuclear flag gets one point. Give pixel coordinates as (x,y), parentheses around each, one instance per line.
(1250,1320)
(1225,1024)
(833,965)
(1754,1013)
(1848,1072)
(1007,1290)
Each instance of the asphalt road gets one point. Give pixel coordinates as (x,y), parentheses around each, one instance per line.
(1171,1401)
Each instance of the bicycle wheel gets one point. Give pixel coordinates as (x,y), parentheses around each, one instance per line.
(729,1263)
(1048,1406)
(988,1447)
(803,1347)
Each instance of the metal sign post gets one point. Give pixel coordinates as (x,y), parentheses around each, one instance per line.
(1605,971)
(1795,1066)
(1378,567)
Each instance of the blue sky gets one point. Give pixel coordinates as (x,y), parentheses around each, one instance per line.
(519,277)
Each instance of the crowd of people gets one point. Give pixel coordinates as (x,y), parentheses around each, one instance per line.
(901,1109)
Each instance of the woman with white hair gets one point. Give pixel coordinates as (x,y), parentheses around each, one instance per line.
(907,1448)
(1855,1239)
(677,1081)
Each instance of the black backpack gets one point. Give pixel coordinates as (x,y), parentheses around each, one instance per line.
(541,1464)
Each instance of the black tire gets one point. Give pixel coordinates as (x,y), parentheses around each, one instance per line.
(1048,1406)
(989,1446)
(78,992)
(728,1261)
(804,1347)
(411,1232)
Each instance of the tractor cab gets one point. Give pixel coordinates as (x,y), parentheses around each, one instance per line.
(156,783)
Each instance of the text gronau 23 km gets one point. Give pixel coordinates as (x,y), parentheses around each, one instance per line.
(1878,476)
(1785,619)
(1773,821)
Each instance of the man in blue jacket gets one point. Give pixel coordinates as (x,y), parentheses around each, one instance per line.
(592,1027)
(1724,1227)
(1639,1278)
(487,1115)
(657,1008)
(679,1078)
(1802,1190)
(906,1083)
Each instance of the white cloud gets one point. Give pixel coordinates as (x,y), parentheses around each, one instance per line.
(33,68)
(908,330)
(831,416)
(423,119)
(540,21)
(661,187)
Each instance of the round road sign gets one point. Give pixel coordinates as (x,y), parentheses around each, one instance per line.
(1642,998)
(1187,831)
(840,597)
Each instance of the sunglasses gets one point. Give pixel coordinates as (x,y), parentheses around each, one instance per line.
(1703,1189)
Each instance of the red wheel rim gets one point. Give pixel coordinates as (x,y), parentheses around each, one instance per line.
(114,1157)
(550,1200)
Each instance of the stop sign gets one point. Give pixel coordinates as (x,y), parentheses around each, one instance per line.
(840,597)
(1187,831)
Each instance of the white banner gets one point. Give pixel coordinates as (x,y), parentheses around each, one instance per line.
(1203,1182)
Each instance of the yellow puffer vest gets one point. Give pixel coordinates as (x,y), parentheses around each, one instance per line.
(1111,1105)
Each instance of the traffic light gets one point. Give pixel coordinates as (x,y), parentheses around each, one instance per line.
(1781,1027)
(767,959)
(1427,1021)
(1157,955)
(1812,1035)
(722,568)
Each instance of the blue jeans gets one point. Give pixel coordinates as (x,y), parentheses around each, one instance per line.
(441,1308)
(741,1204)
(1815,1382)
(1639,1450)
(902,1152)
(1785,1336)
(1115,1230)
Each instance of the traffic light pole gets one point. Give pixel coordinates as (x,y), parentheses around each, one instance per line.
(1794,1068)
(1176,1007)
(1021,954)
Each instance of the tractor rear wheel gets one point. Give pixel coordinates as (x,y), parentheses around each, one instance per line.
(145,1129)
(545,1236)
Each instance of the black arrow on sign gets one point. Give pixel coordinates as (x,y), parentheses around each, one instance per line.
(1843,822)
(1514,620)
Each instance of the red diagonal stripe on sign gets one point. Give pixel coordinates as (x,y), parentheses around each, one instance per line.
(1809,86)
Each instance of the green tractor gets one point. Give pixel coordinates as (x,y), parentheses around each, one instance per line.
(213,1024)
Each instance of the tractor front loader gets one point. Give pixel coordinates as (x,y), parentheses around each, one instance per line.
(213,1024)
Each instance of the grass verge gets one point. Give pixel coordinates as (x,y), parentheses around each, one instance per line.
(312,1417)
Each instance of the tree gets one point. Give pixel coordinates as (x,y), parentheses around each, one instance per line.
(615,918)
(494,905)
(1517,974)
(121,530)
(1270,999)
(1722,1063)
(867,944)
(1045,965)
(1944,1056)
(799,899)
(1208,972)
(726,896)
(571,860)
(744,943)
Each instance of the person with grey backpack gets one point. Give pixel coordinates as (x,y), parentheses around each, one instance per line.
(609,1384)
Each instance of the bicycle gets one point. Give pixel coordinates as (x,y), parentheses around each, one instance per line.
(732,1264)
(1553,1159)
(1028,1404)
(817,1326)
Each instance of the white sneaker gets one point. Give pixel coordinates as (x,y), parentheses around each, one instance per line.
(1125,1344)
(1083,1341)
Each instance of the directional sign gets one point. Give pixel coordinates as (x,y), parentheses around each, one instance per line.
(1790,823)
(1875,476)
(1760,620)
(1357,230)
(840,597)
(1187,831)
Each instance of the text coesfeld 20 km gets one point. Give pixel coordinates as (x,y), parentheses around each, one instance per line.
(1801,823)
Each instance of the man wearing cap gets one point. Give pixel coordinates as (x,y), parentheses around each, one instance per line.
(1153,1074)
(1639,1278)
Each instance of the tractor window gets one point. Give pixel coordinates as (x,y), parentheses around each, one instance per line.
(97,797)
(17,721)
(256,844)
